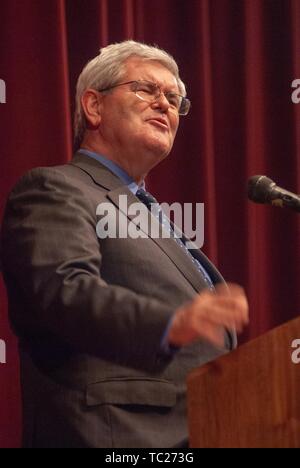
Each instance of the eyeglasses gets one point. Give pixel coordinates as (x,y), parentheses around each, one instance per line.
(151,92)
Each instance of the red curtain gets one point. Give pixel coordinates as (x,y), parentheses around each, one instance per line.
(238,59)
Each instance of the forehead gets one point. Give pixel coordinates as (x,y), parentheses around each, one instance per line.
(151,70)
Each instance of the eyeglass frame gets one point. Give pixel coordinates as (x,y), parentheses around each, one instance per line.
(183,98)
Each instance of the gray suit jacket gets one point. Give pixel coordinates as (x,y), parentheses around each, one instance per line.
(90,315)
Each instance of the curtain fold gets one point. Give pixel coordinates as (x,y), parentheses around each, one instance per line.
(238,59)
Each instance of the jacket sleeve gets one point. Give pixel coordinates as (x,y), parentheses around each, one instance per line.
(51,252)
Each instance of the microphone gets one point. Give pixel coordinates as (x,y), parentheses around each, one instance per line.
(261,189)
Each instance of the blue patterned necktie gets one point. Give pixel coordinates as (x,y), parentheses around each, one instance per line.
(149,201)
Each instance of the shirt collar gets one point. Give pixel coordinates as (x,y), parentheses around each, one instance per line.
(115,169)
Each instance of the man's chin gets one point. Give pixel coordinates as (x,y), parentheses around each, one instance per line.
(157,157)
(159,148)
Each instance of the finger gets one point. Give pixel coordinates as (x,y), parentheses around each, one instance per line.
(238,306)
(229,316)
(189,328)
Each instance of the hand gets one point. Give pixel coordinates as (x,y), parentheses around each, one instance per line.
(208,314)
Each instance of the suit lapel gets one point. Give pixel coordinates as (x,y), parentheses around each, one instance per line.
(103,177)
(99,174)
(168,245)
(214,274)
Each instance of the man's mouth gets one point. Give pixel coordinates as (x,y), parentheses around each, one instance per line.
(159,122)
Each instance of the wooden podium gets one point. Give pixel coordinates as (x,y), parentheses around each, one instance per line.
(250,397)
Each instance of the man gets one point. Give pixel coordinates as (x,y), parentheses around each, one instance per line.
(110,327)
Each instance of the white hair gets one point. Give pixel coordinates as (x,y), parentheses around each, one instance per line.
(108,68)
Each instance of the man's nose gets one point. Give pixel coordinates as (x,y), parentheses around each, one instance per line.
(161,103)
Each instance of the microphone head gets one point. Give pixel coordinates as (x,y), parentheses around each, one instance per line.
(260,188)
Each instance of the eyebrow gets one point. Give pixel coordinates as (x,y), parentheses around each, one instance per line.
(167,89)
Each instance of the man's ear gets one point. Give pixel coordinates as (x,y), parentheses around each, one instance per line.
(91,105)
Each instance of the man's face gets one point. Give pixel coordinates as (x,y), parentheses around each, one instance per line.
(140,132)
